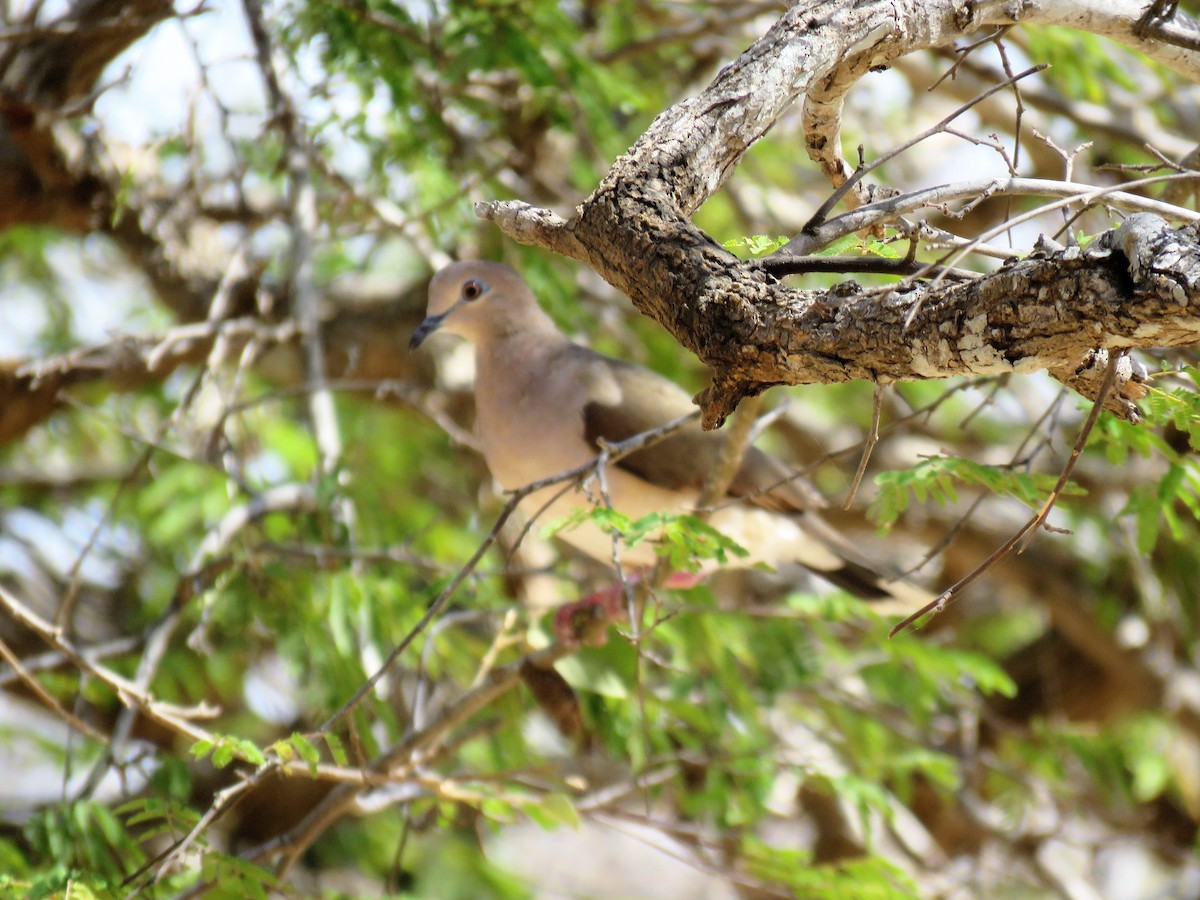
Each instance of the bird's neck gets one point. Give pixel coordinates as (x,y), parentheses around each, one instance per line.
(511,349)
(512,406)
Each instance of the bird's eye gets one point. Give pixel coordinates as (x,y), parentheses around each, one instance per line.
(473,289)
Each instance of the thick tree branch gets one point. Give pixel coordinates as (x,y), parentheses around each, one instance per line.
(1046,312)
(357,344)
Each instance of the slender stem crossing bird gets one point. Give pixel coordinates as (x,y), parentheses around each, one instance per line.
(546,405)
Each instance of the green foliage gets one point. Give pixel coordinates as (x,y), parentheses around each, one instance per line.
(756,244)
(1081,63)
(225,748)
(683,541)
(92,851)
(233,877)
(860,879)
(936,479)
(1173,500)
(298,746)
(857,245)
(608,671)
(1179,406)
(764,244)
(531,48)
(930,669)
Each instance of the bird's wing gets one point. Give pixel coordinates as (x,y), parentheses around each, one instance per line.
(684,459)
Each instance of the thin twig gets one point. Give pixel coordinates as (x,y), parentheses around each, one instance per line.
(408,753)
(172,717)
(1096,194)
(868,445)
(891,208)
(945,540)
(53,659)
(494,683)
(46,697)
(818,217)
(613,453)
(1025,532)
(222,803)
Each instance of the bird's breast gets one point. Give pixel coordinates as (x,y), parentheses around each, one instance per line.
(527,430)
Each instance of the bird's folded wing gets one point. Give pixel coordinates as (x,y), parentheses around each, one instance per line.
(685,459)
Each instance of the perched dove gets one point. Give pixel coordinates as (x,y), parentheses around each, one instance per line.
(544,404)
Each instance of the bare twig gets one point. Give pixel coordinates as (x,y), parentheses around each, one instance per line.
(26,678)
(868,445)
(818,217)
(1095,195)
(175,718)
(43,662)
(891,208)
(1025,532)
(613,453)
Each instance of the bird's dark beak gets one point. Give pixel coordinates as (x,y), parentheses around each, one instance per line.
(424,330)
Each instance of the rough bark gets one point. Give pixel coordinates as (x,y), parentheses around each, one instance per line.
(1049,311)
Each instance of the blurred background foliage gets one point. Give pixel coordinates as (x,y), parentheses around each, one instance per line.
(169,501)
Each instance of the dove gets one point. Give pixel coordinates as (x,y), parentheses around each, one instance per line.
(546,405)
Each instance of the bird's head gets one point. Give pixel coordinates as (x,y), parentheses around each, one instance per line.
(477,300)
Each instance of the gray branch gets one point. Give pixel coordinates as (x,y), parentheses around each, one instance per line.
(1053,310)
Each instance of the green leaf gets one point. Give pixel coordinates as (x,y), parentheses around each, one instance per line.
(935,478)
(284,750)
(1143,505)
(202,748)
(498,810)
(250,752)
(756,244)
(554,810)
(308,752)
(12,861)
(336,748)
(223,754)
(610,670)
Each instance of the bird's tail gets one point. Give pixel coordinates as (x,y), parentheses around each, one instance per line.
(847,567)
